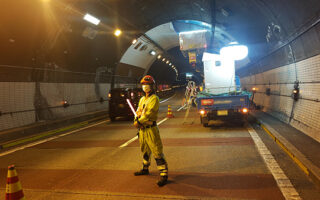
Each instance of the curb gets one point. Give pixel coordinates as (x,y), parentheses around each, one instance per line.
(48,133)
(303,163)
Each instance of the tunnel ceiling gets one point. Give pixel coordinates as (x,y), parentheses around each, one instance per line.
(39,33)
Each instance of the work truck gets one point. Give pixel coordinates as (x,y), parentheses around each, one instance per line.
(222,97)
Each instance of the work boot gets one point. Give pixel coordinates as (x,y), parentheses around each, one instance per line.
(142,172)
(162,181)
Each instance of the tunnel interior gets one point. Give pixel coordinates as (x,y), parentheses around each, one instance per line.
(50,54)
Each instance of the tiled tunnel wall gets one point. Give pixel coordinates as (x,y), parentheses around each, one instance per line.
(298,61)
(25,103)
(303,114)
(31,95)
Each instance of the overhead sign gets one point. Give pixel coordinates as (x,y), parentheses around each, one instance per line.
(192,40)
(192,57)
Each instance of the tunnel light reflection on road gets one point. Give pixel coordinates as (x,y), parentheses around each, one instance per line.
(91,19)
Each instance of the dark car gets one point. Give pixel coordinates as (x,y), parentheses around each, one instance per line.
(118,106)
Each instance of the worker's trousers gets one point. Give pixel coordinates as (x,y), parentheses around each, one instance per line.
(150,143)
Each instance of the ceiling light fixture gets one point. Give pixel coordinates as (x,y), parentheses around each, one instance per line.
(134,41)
(117,32)
(91,19)
(152,52)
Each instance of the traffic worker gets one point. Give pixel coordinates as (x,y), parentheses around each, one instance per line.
(149,137)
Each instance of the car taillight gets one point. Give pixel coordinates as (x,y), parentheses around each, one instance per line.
(245,110)
(207,102)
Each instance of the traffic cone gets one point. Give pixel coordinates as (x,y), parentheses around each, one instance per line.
(169,115)
(13,188)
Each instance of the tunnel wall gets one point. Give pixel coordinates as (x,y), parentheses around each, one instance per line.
(298,61)
(24,103)
(31,95)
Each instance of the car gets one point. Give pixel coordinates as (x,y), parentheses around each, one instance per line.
(118,106)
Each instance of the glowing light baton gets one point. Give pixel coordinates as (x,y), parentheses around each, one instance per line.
(132,109)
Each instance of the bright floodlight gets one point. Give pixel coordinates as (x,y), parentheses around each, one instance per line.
(234,51)
(91,19)
(117,32)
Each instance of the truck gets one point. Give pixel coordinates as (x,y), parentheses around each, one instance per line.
(222,97)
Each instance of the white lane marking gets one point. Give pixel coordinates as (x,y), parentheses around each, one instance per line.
(165,119)
(127,143)
(181,107)
(48,139)
(167,99)
(286,187)
(136,137)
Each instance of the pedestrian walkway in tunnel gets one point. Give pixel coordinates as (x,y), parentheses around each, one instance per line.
(222,161)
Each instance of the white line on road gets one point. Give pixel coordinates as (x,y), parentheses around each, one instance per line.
(127,143)
(165,119)
(136,137)
(48,139)
(167,99)
(181,107)
(286,187)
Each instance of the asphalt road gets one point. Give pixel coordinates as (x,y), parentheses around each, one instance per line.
(218,162)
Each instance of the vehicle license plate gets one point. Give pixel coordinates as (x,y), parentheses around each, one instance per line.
(222,112)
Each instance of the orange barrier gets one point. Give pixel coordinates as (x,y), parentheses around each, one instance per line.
(13,187)
(169,115)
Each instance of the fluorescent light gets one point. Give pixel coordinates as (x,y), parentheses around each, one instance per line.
(91,19)
(192,32)
(134,41)
(152,52)
(117,32)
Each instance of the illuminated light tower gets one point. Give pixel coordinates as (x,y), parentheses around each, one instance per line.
(234,51)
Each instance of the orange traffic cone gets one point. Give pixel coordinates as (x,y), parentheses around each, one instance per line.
(169,115)
(13,188)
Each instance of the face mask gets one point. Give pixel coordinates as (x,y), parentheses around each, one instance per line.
(146,88)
